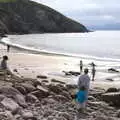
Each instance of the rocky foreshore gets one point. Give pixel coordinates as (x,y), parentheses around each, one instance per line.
(40,100)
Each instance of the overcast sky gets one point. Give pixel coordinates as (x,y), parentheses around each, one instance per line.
(92,13)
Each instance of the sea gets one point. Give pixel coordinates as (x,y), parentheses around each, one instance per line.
(99,45)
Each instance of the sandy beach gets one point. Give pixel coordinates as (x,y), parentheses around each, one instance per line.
(32,65)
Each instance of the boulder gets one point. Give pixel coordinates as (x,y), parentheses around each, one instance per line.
(20,100)
(96,93)
(41,76)
(15,70)
(113,98)
(21,89)
(112,70)
(13,93)
(7,115)
(9,91)
(62,87)
(41,92)
(1,97)
(66,94)
(42,88)
(31,98)
(65,115)
(66,73)
(55,88)
(71,73)
(45,81)
(29,87)
(60,98)
(47,101)
(118,114)
(74,73)
(71,86)
(36,83)
(27,115)
(10,104)
(91,98)
(102,118)
(57,81)
(110,79)
(112,90)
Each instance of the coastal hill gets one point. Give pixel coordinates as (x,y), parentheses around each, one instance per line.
(25,16)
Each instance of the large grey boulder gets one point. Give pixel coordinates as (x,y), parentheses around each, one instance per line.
(112,98)
(10,104)
(27,115)
(29,87)
(7,115)
(13,93)
(21,89)
(112,90)
(31,98)
(54,88)
(20,100)
(41,92)
(9,91)
(2,97)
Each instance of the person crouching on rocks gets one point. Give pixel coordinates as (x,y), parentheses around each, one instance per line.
(4,66)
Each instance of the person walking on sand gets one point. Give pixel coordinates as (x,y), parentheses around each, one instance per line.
(8,48)
(93,71)
(81,66)
(84,81)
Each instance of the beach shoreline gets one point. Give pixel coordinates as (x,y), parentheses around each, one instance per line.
(30,65)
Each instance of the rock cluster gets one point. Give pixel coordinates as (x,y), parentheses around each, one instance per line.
(37,101)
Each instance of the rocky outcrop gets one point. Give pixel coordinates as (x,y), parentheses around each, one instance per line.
(52,102)
(112,98)
(25,16)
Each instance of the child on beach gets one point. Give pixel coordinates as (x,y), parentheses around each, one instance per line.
(81,98)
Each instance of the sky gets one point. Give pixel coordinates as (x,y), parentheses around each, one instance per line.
(95,14)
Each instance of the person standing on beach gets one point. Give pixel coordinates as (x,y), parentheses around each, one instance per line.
(8,48)
(84,81)
(81,66)
(93,71)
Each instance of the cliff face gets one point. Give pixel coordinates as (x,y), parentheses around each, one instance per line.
(24,16)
